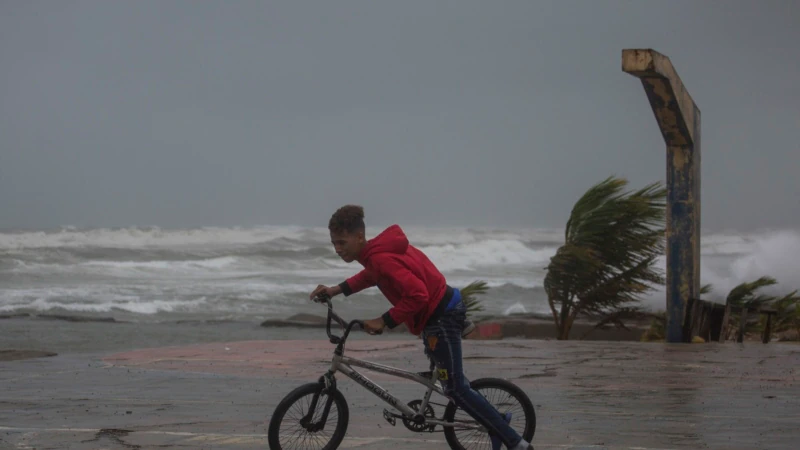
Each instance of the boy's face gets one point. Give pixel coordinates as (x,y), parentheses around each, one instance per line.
(348,245)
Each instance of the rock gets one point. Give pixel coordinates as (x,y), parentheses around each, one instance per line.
(302,320)
(14,355)
(14,316)
(75,318)
(309,318)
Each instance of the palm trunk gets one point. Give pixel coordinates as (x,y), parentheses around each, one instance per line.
(563,334)
(555,314)
(564,323)
(723,331)
(568,325)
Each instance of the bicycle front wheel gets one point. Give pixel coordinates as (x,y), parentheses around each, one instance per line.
(506,397)
(295,426)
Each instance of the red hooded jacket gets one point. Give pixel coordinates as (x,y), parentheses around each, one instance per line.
(407,278)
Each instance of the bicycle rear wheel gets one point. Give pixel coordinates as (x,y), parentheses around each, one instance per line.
(287,430)
(506,397)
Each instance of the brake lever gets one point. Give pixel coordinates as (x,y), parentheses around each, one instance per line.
(322,297)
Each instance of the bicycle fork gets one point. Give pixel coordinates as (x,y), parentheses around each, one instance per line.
(330,385)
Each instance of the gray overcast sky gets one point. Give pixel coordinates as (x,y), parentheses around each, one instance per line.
(474,113)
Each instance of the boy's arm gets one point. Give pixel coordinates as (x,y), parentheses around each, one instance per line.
(414,293)
(356,283)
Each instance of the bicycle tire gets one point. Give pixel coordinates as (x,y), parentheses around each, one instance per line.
(295,399)
(482,386)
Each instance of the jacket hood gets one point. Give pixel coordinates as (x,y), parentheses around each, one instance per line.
(390,240)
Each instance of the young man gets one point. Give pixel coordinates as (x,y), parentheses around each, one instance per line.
(421,299)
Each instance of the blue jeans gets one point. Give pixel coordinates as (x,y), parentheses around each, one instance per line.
(443,344)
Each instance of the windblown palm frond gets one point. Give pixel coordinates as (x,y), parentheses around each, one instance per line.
(745,293)
(612,241)
(787,310)
(469,295)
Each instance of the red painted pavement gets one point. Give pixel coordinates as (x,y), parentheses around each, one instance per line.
(304,359)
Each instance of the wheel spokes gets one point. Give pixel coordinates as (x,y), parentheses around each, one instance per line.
(294,435)
(504,402)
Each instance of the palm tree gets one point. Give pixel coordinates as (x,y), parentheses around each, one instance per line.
(787,315)
(744,296)
(612,240)
(469,295)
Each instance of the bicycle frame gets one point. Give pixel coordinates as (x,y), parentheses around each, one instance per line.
(344,364)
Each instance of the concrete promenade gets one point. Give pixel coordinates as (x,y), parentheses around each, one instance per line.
(599,395)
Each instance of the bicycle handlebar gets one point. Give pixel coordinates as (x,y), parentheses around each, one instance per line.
(333,316)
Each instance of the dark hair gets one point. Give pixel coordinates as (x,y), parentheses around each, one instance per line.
(348,218)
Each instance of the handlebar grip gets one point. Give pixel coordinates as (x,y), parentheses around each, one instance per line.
(361,326)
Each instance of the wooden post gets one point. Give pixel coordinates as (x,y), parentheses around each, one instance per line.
(723,335)
(742,324)
(716,329)
(679,120)
(697,316)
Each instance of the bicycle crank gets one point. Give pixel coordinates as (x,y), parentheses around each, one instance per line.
(417,423)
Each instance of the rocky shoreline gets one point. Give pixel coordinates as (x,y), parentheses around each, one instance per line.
(517,326)
(527,326)
(532,326)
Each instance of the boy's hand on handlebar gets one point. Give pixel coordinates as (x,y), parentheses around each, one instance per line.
(374,326)
(324,292)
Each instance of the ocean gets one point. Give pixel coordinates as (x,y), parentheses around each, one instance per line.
(156,277)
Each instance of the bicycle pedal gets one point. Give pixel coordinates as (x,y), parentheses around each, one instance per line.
(389,417)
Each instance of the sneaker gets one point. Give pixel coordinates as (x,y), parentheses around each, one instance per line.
(469,327)
(496,442)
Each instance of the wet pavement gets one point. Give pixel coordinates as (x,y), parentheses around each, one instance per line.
(599,395)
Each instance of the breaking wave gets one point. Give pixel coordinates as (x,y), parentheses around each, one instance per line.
(261,270)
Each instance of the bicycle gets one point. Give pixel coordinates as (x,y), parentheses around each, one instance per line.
(311,418)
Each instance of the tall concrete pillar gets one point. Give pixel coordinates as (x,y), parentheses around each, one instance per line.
(679,119)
